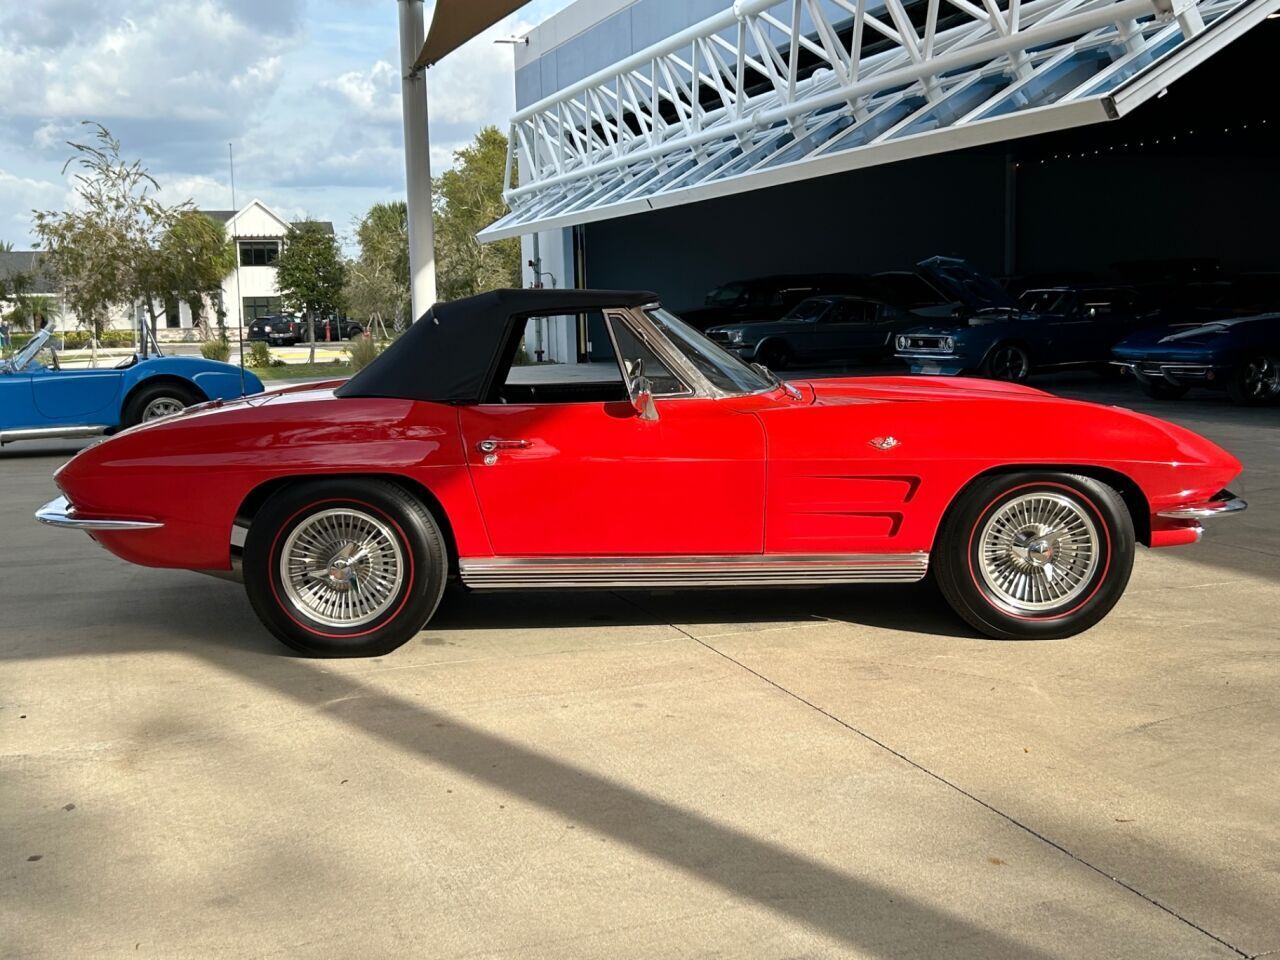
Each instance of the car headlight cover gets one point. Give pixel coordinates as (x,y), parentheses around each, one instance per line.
(736,336)
(903,343)
(948,344)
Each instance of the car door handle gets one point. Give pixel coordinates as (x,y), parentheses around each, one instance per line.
(494,445)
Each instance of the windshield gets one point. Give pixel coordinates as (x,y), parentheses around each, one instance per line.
(1045,301)
(722,368)
(27,353)
(807,310)
(725,296)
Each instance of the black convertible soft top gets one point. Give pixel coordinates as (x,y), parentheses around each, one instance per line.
(453,352)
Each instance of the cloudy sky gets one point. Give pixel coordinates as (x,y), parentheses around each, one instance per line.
(307,90)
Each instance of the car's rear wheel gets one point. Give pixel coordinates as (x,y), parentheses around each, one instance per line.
(1034,556)
(1007,361)
(354,331)
(1162,390)
(344,568)
(1255,381)
(156,401)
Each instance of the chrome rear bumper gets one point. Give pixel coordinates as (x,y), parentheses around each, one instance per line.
(60,513)
(1220,506)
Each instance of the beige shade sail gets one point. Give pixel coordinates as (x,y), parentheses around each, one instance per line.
(454,22)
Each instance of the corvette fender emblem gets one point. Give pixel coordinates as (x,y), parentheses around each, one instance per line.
(883,443)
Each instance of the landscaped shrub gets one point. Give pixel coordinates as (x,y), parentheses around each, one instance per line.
(362,351)
(260,356)
(216,350)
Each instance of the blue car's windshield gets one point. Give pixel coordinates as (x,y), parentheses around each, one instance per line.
(28,352)
(807,310)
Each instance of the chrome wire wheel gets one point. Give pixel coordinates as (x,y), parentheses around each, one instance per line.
(1260,379)
(1037,553)
(162,407)
(342,567)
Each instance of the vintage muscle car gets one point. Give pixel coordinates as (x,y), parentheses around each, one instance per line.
(820,330)
(346,506)
(996,336)
(39,401)
(1240,355)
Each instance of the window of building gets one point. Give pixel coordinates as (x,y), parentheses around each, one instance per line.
(172,314)
(259,253)
(255,307)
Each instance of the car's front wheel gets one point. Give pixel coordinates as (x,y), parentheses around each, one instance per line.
(774,354)
(1255,381)
(344,568)
(1007,361)
(1034,556)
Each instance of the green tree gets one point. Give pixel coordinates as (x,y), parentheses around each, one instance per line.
(16,289)
(467,199)
(100,251)
(121,245)
(311,274)
(190,261)
(378,280)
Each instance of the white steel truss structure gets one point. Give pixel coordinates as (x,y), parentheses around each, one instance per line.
(769,92)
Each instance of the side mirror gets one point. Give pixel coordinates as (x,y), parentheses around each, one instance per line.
(642,399)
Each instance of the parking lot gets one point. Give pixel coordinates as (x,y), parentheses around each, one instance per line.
(813,773)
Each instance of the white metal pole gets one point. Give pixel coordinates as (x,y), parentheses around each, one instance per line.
(417,160)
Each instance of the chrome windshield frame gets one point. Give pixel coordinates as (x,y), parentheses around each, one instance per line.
(681,364)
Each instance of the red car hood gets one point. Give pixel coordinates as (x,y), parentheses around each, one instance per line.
(917,389)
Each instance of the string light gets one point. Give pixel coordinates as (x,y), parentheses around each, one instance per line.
(1139,145)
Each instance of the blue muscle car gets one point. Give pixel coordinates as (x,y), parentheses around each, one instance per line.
(1006,339)
(1238,354)
(41,401)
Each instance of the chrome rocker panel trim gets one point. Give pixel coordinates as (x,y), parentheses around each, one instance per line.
(60,513)
(522,573)
(1218,507)
(53,433)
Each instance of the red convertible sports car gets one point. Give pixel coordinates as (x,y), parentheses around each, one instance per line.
(347,506)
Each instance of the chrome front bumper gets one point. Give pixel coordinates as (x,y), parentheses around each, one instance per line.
(1220,506)
(60,513)
(1178,374)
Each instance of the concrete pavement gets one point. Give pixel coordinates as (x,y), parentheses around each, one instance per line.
(817,773)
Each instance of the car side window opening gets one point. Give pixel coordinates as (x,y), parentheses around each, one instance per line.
(851,311)
(526,379)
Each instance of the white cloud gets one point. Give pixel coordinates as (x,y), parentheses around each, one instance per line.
(373,93)
(312,103)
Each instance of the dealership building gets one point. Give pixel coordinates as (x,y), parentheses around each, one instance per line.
(678,145)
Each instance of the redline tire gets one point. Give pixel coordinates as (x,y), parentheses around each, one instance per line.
(1011,597)
(344,568)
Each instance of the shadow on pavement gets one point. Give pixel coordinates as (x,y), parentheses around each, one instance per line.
(860,912)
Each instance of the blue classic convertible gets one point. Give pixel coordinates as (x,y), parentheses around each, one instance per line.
(1238,354)
(41,401)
